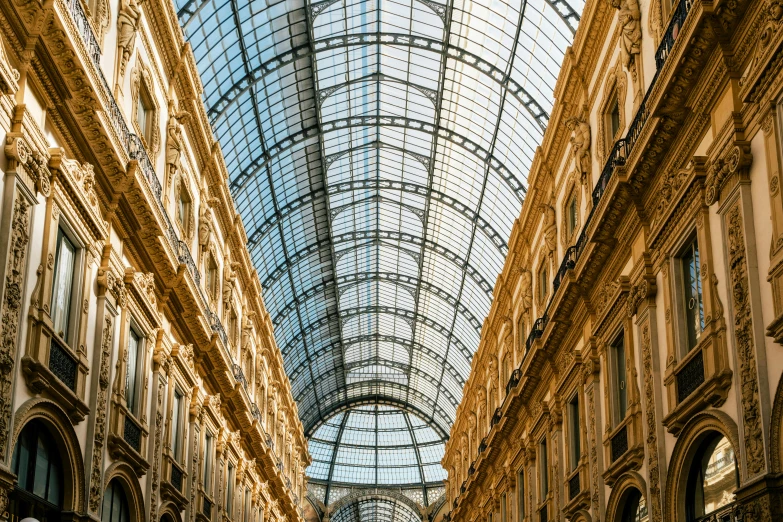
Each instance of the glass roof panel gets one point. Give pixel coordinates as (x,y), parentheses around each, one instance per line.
(377,152)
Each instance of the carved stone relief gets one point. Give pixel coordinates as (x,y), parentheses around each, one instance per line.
(12,302)
(753,438)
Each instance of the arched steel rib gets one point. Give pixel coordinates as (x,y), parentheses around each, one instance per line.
(405,314)
(324,94)
(348,281)
(376,235)
(331,43)
(376,185)
(317,131)
(371,397)
(293,373)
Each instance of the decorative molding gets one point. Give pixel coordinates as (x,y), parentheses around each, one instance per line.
(753,438)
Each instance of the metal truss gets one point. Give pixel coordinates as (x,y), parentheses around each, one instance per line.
(383,400)
(331,43)
(565,12)
(375,235)
(406,315)
(378,185)
(317,131)
(325,409)
(343,346)
(323,94)
(348,281)
(418,458)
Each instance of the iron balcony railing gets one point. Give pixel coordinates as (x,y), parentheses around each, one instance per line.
(617,157)
(136,150)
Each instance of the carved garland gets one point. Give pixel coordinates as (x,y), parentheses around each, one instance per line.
(593,455)
(100,418)
(652,439)
(156,457)
(14,283)
(743,332)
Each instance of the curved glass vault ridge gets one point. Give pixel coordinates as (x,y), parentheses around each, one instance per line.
(377,153)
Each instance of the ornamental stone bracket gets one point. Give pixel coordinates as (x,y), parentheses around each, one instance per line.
(727,171)
(28,163)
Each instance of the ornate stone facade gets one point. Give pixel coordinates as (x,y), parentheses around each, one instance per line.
(109,348)
(633,347)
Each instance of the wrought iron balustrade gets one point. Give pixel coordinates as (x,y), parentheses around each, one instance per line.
(496,416)
(62,364)
(568,263)
(239,375)
(690,376)
(574,486)
(135,149)
(672,32)
(176,477)
(132,433)
(513,380)
(619,443)
(536,332)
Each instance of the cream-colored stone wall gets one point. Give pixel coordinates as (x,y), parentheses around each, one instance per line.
(141,265)
(702,162)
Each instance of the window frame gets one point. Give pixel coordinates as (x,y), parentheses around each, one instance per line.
(134,405)
(230,479)
(543,470)
(207,467)
(542,281)
(574,431)
(521,494)
(65,232)
(683,334)
(618,386)
(177,425)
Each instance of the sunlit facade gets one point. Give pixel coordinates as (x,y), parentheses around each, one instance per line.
(391,260)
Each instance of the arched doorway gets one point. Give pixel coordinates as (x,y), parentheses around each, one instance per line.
(634,507)
(37,463)
(115,503)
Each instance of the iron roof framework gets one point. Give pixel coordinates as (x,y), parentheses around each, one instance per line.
(377,153)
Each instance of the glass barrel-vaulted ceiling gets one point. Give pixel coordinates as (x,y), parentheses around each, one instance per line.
(377,153)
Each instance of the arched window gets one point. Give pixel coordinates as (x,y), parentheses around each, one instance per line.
(634,507)
(115,504)
(712,477)
(36,462)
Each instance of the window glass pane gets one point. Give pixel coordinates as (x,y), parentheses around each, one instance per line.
(615,117)
(575,447)
(543,470)
(41,471)
(692,292)
(521,493)
(63,284)
(620,391)
(132,374)
(207,460)
(176,424)
(230,491)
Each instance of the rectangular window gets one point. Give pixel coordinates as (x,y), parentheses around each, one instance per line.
(246,517)
(176,426)
(619,388)
(521,494)
(208,442)
(542,282)
(543,468)
(503,515)
(521,330)
(692,293)
(132,371)
(571,215)
(212,278)
(62,291)
(233,327)
(489,517)
(144,115)
(614,117)
(230,491)
(575,449)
